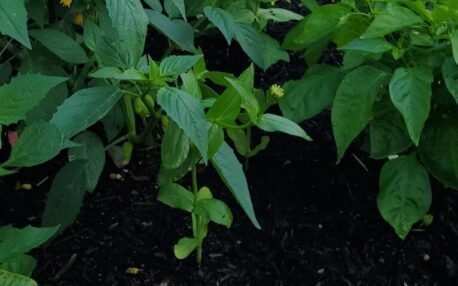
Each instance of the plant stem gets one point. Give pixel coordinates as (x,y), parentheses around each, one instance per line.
(196,218)
(117,141)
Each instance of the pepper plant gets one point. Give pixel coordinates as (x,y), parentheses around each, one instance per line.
(69,65)
(396,87)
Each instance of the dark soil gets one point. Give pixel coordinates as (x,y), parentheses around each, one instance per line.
(320,221)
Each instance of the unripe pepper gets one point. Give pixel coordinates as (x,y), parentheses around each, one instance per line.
(149,101)
(140,108)
(127,150)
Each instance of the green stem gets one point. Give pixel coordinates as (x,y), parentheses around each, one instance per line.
(129,116)
(116,142)
(196,218)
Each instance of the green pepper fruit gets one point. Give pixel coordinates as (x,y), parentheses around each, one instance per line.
(149,101)
(127,150)
(140,108)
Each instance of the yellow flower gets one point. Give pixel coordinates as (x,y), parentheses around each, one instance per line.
(276,91)
(79,19)
(66,3)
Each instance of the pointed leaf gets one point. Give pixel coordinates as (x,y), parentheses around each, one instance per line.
(13,21)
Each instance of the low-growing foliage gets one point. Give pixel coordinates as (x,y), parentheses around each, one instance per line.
(396,86)
(68,65)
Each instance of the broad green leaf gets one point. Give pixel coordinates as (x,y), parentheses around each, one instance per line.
(185,247)
(176,65)
(438,149)
(222,20)
(13,21)
(312,5)
(4,172)
(175,146)
(454,41)
(180,32)
(48,106)
(215,138)
(388,133)
(91,149)
(227,107)
(450,73)
(272,52)
(274,123)
(240,140)
(91,33)
(250,103)
(154,4)
(22,94)
(352,107)
(85,108)
(167,176)
(318,25)
(13,279)
(308,96)
(40,142)
(191,84)
(175,8)
(376,46)
(15,241)
(61,45)
(188,113)
(131,22)
(112,53)
(114,122)
(176,196)
(216,211)
(231,172)
(392,19)
(21,264)
(66,195)
(405,193)
(251,43)
(410,91)
(279,15)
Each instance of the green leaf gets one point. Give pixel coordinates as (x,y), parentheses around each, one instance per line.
(13,21)
(188,113)
(392,19)
(91,149)
(48,106)
(91,32)
(251,43)
(175,146)
(180,32)
(318,25)
(154,4)
(438,149)
(23,94)
(131,22)
(308,96)
(250,103)
(106,72)
(191,84)
(177,197)
(274,123)
(21,264)
(227,107)
(410,91)
(112,53)
(222,20)
(388,133)
(61,45)
(185,247)
(217,211)
(13,279)
(352,107)
(176,65)
(450,73)
(454,41)
(231,171)
(279,15)
(4,172)
(175,7)
(405,193)
(40,142)
(374,46)
(215,138)
(66,195)
(15,241)
(114,122)
(85,108)
(272,52)
(240,140)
